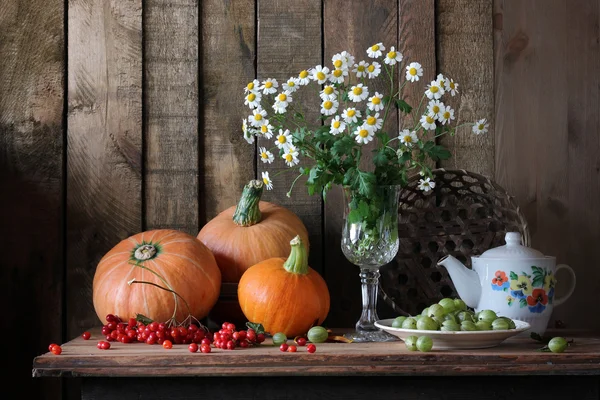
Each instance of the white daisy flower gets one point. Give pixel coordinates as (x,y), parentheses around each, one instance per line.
(434,90)
(376,102)
(360,69)
(481,126)
(248,133)
(428,122)
(337,126)
(358,93)
(408,138)
(436,108)
(319,74)
(414,71)
(303,78)
(364,134)
(393,57)
(376,50)
(446,116)
(283,139)
(374,122)
(244,127)
(338,75)
(291,85)
(291,156)
(258,117)
(253,99)
(340,61)
(348,57)
(269,86)
(328,93)
(351,115)
(267,181)
(282,101)
(252,87)
(329,107)
(374,70)
(441,80)
(265,155)
(267,130)
(451,87)
(426,184)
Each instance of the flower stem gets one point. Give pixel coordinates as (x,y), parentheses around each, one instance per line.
(163,280)
(289,193)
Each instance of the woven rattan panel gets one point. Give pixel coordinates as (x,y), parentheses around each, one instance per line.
(465,214)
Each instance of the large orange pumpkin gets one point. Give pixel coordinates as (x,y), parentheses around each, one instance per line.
(250,232)
(284,295)
(168,258)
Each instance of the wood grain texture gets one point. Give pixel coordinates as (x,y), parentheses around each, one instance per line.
(352,27)
(31,173)
(228,64)
(289,41)
(514,356)
(104,142)
(548,135)
(465,53)
(171,115)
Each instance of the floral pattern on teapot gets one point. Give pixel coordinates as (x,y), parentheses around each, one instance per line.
(535,292)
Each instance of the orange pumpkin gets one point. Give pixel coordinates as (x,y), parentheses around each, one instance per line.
(250,232)
(284,295)
(171,259)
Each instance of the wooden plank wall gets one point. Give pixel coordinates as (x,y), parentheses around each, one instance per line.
(138,127)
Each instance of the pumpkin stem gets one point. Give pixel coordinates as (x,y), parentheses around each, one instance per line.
(247,212)
(297,262)
(145,252)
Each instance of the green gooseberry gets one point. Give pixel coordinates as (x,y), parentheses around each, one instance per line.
(500,324)
(424,344)
(409,323)
(317,334)
(425,311)
(465,316)
(418,317)
(439,320)
(449,326)
(279,338)
(397,322)
(468,326)
(487,315)
(411,343)
(450,317)
(483,325)
(448,304)
(426,323)
(436,310)
(557,344)
(460,305)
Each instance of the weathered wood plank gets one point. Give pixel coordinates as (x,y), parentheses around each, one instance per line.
(228,64)
(289,41)
(31,172)
(171,115)
(550,161)
(104,142)
(465,54)
(352,27)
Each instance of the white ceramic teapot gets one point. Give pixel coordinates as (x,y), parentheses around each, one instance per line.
(515,281)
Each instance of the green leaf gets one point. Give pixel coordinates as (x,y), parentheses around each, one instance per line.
(538,281)
(366,183)
(380,159)
(522,303)
(299,116)
(403,106)
(143,319)
(258,328)
(342,146)
(345,96)
(513,276)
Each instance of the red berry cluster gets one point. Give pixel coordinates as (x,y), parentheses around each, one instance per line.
(228,338)
(55,349)
(311,348)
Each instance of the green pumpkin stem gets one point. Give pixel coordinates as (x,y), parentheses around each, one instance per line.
(297,262)
(247,212)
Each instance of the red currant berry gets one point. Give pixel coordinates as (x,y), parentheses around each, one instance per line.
(162,326)
(224,325)
(235,335)
(86,335)
(311,348)
(153,326)
(132,322)
(102,345)
(192,328)
(109,338)
(205,341)
(114,335)
(167,344)
(244,344)
(205,348)
(112,325)
(56,350)
(182,331)
(231,327)
(175,332)
(110,318)
(193,347)
(51,346)
(230,345)
(292,349)
(301,341)
(260,337)
(242,335)
(251,335)
(283,347)
(105,330)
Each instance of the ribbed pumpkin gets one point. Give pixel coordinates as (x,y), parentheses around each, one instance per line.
(284,295)
(171,259)
(250,232)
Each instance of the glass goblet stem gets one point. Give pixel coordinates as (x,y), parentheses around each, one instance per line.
(369,279)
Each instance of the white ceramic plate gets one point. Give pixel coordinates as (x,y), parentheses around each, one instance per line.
(459,339)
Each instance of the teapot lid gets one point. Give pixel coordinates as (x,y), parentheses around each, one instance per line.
(513,249)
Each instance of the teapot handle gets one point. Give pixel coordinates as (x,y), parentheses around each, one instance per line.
(562,299)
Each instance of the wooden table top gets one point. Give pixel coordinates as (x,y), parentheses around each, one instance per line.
(515,356)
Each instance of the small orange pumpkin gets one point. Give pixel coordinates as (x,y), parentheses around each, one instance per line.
(250,232)
(284,295)
(168,258)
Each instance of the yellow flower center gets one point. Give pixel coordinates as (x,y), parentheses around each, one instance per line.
(282,97)
(281,139)
(391,54)
(357,90)
(289,157)
(429,119)
(434,89)
(375,100)
(264,155)
(442,84)
(264,129)
(452,86)
(258,117)
(363,133)
(412,71)
(337,63)
(291,84)
(269,85)
(250,86)
(371,68)
(337,73)
(251,97)
(328,90)
(336,124)
(481,126)
(407,139)
(360,68)
(371,120)
(435,109)
(446,115)
(351,113)
(321,76)
(266,181)
(303,74)
(327,105)
(375,47)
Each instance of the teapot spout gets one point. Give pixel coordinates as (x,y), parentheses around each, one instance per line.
(465,280)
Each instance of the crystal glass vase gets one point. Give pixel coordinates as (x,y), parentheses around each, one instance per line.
(370,240)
